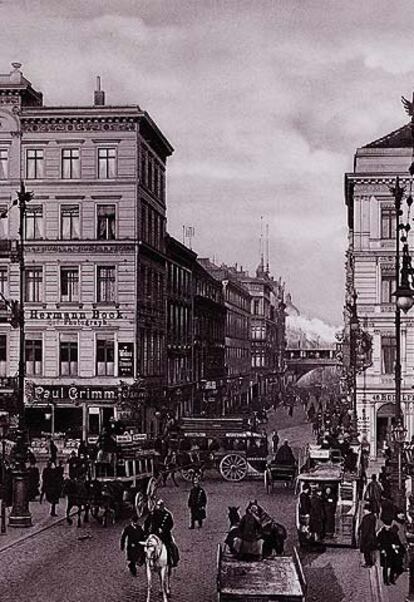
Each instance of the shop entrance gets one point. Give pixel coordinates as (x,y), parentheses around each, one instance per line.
(385,418)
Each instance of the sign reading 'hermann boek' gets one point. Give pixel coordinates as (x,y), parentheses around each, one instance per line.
(95,317)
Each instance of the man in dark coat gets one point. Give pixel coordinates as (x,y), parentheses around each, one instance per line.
(53,450)
(391,554)
(317,516)
(388,511)
(329,508)
(132,535)
(33,481)
(367,536)
(285,455)
(73,465)
(275,441)
(50,487)
(373,494)
(160,522)
(197,502)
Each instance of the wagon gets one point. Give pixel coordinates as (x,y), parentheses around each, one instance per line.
(225,444)
(279,473)
(132,472)
(277,578)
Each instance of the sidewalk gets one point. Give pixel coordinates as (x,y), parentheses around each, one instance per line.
(41,520)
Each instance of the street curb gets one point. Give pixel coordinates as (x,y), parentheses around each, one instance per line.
(32,534)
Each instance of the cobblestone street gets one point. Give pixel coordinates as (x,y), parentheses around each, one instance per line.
(57,566)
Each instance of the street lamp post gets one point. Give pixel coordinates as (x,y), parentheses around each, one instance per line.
(4,425)
(20,515)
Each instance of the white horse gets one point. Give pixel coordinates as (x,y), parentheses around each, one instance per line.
(156,560)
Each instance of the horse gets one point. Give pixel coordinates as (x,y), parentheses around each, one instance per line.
(156,560)
(77,495)
(109,498)
(233,535)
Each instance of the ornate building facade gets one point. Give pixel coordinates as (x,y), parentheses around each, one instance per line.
(94,283)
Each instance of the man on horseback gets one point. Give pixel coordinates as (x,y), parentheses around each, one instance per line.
(160,522)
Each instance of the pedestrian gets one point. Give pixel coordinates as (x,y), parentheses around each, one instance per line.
(73,465)
(33,481)
(373,494)
(197,502)
(367,536)
(317,516)
(311,412)
(365,452)
(391,554)
(160,522)
(329,507)
(83,450)
(53,451)
(388,511)
(50,487)
(400,526)
(275,441)
(385,482)
(132,536)
(170,467)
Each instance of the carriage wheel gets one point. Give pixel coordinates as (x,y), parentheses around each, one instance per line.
(140,504)
(151,493)
(233,467)
(187,474)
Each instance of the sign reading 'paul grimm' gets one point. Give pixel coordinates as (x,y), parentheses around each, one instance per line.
(73,393)
(95,317)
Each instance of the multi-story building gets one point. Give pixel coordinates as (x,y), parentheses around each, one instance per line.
(371,271)
(209,343)
(237,337)
(180,381)
(94,254)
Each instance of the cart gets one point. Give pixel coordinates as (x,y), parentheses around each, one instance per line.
(278,578)
(279,473)
(225,444)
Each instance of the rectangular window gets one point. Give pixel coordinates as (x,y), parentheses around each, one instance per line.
(3,355)
(106,162)
(34,163)
(105,285)
(388,223)
(106,222)
(105,357)
(33,226)
(3,281)
(69,222)
(70,163)
(33,357)
(68,358)
(4,163)
(388,346)
(388,287)
(34,284)
(4,222)
(69,284)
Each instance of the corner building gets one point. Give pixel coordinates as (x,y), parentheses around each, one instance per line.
(94,255)
(371,271)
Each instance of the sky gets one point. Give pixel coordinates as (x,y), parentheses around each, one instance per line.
(264,101)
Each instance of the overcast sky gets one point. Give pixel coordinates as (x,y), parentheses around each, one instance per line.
(264,102)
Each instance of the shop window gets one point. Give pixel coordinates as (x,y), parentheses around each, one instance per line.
(33,356)
(69,284)
(68,358)
(389,348)
(106,222)
(105,357)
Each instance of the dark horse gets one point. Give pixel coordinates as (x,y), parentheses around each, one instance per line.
(107,497)
(77,496)
(273,534)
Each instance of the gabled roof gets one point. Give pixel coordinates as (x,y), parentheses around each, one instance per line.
(398,139)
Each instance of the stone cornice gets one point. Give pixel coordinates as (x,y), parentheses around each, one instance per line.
(388,180)
(78,124)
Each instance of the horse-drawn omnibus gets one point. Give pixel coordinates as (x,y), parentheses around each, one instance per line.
(269,579)
(344,489)
(226,444)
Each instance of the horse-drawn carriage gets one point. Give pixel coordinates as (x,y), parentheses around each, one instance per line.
(225,444)
(276,578)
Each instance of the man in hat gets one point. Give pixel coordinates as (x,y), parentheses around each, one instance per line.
(368,536)
(160,522)
(197,502)
(132,535)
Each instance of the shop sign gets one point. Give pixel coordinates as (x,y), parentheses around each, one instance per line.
(126,359)
(73,393)
(391,397)
(95,317)
(210,385)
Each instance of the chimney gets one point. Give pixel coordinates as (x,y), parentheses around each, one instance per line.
(16,74)
(99,95)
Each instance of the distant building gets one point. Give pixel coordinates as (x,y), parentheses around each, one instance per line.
(95,256)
